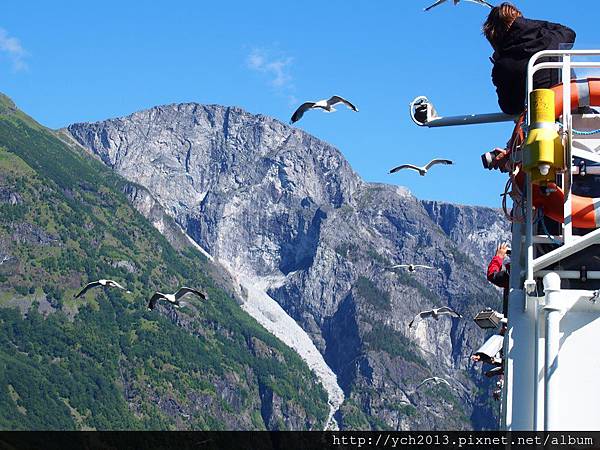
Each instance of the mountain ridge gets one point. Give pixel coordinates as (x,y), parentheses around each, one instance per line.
(286,210)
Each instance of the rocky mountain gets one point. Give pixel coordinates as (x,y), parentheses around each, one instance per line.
(291,221)
(104,361)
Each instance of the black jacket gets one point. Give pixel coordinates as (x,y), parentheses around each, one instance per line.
(525,38)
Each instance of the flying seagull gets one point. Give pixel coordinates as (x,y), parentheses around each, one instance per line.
(411,267)
(435,314)
(326,105)
(104,283)
(422,170)
(436,380)
(174,298)
(456,2)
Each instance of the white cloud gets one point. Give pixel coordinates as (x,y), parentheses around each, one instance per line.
(276,68)
(12,47)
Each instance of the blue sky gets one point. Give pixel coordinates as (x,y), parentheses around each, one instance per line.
(66,61)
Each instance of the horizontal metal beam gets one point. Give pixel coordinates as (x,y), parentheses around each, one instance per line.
(570,274)
(469,119)
(584,154)
(566,250)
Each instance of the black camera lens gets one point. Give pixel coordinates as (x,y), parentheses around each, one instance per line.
(508,251)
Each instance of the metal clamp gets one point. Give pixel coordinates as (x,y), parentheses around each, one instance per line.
(583,275)
(582,168)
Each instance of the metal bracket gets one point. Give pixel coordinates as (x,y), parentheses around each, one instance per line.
(529,286)
(583,275)
(582,168)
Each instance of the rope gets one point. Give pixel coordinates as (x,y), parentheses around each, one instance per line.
(586,133)
(543,222)
(580,132)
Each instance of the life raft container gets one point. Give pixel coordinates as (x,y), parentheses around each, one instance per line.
(585,211)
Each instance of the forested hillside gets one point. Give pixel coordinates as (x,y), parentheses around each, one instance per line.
(104,361)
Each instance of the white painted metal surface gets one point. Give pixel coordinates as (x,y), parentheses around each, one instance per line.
(551,375)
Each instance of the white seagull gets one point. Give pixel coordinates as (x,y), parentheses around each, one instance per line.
(326,105)
(422,170)
(174,298)
(435,314)
(411,267)
(103,283)
(456,2)
(436,380)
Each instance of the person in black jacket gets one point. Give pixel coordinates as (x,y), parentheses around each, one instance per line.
(515,40)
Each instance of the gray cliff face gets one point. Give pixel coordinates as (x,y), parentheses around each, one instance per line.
(277,204)
(476,230)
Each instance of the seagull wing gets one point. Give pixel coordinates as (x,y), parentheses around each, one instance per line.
(481,2)
(115,284)
(422,315)
(422,266)
(88,286)
(405,166)
(441,380)
(398,266)
(424,381)
(153,300)
(433,162)
(448,311)
(439,2)
(186,290)
(301,110)
(334,100)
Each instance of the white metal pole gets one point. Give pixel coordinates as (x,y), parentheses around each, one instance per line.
(566,119)
(553,316)
(469,119)
(529,281)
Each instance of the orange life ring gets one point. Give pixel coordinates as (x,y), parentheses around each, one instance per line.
(584,92)
(585,211)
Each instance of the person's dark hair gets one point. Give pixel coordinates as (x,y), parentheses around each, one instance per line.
(499,21)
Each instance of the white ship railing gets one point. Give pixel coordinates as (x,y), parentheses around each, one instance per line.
(569,246)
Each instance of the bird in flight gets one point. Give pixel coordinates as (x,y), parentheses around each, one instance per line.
(434,314)
(422,170)
(411,267)
(103,283)
(456,2)
(436,380)
(325,105)
(174,298)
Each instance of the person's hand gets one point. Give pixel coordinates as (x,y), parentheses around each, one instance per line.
(501,250)
(500,160)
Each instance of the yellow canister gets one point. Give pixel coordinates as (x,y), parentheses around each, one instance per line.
(544,153)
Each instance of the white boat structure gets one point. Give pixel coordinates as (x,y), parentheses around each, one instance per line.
(552,369)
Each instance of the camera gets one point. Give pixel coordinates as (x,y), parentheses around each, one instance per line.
(488,318)
(488,159)
(508,252)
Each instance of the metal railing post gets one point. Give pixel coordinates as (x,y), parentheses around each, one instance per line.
(566,120)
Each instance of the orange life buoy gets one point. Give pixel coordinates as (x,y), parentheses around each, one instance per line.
(585,211)
(584,92)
